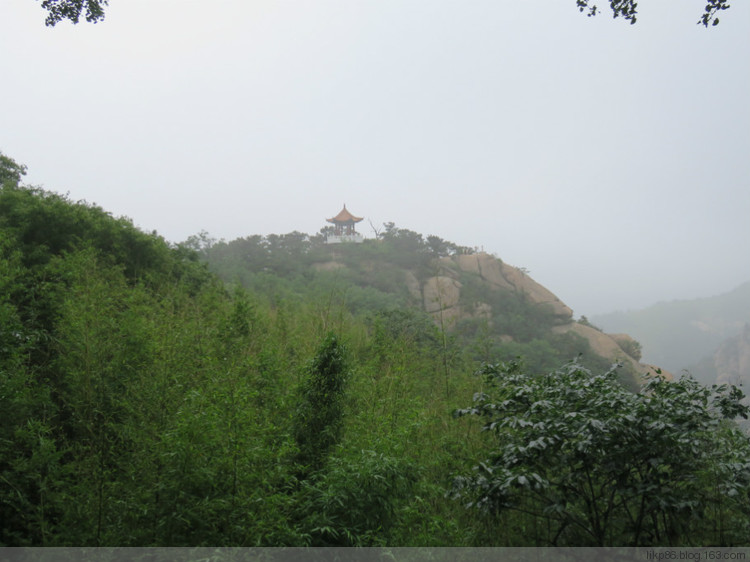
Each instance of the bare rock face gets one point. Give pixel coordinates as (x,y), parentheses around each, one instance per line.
(412,284)
(484,265)
(534,291)
(441,296)
(732,359)
(600,343)
(482,310)
(500,274)
(606,346)
(442,292)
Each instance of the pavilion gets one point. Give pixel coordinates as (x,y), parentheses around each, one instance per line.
(343,228)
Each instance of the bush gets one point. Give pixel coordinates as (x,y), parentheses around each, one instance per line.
(319,415)
(593,464)
(354,502)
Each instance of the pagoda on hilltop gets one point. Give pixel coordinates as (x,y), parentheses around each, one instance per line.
(343,228)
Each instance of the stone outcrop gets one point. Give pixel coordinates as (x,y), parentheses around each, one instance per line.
(600,343)
(496,274)
(534,291)
(499,274)
(607,346)
(412,284)
(440,296)
(486,266)
(619,348)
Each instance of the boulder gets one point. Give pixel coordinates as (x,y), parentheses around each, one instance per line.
(482,310)
(440,297)
(486,266)
(441,293)
(499,274)
(534,291)
(604,345)
(412,284)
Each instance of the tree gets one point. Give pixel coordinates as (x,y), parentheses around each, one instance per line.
(58,10)
(712,8)
(627,9)
(10,170)
(319,417)
(593,464)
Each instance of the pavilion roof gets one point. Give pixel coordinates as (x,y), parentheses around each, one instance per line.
(345,216)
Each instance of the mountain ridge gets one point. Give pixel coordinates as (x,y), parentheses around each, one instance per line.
(685,334)
(468,294)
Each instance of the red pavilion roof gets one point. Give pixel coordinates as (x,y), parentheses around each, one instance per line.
(345,216)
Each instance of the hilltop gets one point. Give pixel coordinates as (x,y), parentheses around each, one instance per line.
(492,310)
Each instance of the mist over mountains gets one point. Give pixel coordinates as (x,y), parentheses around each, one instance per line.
(686,334)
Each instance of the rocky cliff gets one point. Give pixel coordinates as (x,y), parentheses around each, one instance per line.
(441,295)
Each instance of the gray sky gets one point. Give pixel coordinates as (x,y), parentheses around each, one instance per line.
(612,161)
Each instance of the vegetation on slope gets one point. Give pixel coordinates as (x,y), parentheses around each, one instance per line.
(374,276)
(145,402)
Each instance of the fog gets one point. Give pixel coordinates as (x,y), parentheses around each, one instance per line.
(611,161)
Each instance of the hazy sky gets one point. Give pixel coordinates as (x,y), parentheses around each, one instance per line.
(612,161)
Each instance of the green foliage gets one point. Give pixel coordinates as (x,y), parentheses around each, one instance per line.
(585,322)
(289,255)
(713,7)
(146,403)
(130,388)
(632,348)
(595,464)
(512,314)
(11,171)
(407,248)
(45,224)
(59,10)
(404,326)
(363,280)
(355,501)
(628,10)
(319,415)
(517,328)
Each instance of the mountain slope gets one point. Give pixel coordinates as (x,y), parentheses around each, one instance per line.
(681,334)
(146,403)
(491,310)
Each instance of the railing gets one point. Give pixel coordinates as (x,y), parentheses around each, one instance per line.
(342,238)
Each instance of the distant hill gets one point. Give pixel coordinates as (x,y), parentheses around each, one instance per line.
(684,334)
(490,310)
